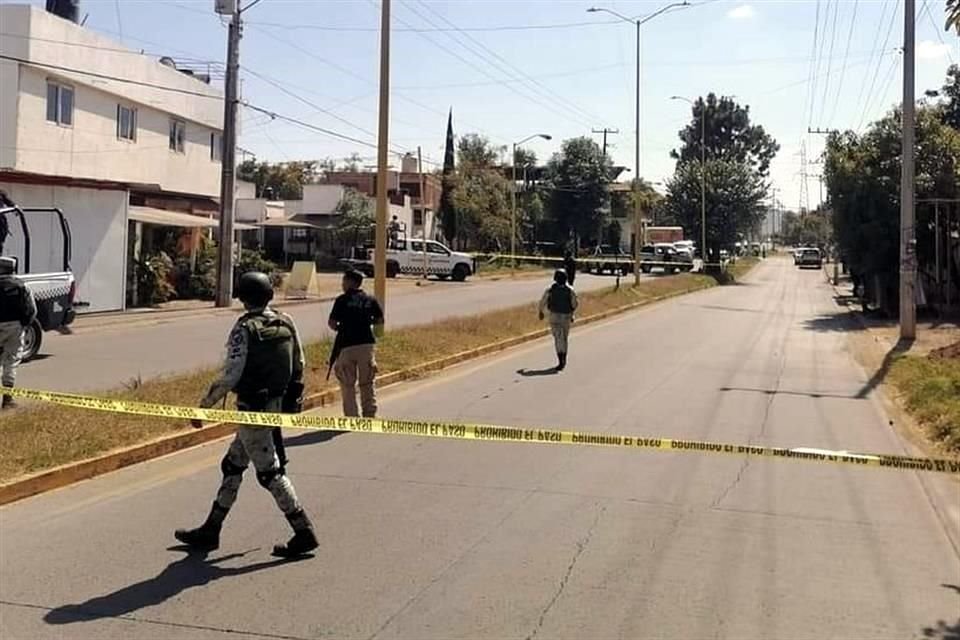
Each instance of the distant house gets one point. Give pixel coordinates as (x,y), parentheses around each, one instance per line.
(122,142)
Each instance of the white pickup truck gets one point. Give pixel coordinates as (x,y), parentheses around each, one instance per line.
(54,289)
(407,257)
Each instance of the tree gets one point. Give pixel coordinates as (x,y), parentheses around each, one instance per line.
(735,201)
(951,97)
(480,195)
(357,214)
(862,174)
(729,136)
(579,196)
(352,162)
(281,181)
(477,150)
(524,159)
(953,15)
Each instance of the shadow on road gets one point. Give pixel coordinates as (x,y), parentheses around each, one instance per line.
(943,630)
(902,346)
(532,373)
(312,437)
(193,570)
(719,307)
(808,394)
(832,322)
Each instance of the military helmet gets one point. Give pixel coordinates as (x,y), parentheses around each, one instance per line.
(560,276)
(255,289)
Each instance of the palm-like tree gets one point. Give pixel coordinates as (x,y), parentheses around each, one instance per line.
(953,15)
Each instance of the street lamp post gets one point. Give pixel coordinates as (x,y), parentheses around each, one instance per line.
(637,215)
(703,177)
(513,201)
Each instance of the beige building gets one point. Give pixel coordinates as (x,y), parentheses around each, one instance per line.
(94,128)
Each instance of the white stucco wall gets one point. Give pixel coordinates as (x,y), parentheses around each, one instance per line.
(90,147)
(98,222)
(321,198)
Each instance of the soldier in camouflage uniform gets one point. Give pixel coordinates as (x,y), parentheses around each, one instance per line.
(264,367)
(18,310)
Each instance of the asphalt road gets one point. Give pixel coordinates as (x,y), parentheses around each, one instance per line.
(115,355)
(442,539)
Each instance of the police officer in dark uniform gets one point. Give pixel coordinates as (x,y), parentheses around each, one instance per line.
(264,367)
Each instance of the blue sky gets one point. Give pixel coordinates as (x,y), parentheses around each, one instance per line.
(301,55)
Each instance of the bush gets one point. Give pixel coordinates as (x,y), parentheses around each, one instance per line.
(153,279)
(199,283)
(254,261)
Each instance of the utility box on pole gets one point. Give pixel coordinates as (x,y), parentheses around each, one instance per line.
(225,7)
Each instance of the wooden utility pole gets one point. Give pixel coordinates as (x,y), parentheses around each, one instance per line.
(908,242)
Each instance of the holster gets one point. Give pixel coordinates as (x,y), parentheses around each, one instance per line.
(293,398)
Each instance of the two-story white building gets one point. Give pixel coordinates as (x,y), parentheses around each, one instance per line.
(115,138)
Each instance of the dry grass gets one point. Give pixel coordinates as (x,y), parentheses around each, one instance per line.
(41,437)
(930,389)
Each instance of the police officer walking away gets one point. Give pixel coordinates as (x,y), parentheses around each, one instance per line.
(570,266)
(561,301)
(354,361)
(18,310)
(264,367)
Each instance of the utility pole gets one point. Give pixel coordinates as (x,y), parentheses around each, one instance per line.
(908,243)
(423,212)
(228,165)
(605,131)
(380,249)
(616,257)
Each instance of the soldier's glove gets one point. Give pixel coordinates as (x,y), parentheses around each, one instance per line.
(196,423)
(293,398)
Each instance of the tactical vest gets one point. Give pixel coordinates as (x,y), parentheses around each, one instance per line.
(13,300)
(560,299)
(269,366)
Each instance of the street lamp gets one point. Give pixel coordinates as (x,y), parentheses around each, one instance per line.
(513,201)
(703,177)
(638,22)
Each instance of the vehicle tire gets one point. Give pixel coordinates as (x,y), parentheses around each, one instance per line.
(392,269)
(32,339)
(460,272)
(645,268)
(672,270)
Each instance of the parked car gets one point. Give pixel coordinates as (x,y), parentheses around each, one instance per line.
(608,259)
(664,256)
(54,290)
(810,258)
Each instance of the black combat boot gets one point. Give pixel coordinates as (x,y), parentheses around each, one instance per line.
(562,357)
(206,537)
(8,402)
(304,540)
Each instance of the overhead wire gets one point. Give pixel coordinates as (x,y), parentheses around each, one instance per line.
(814,67)
(846,59)
(575,108)
(936,29)
(833,40)
(450,52)
(873,82)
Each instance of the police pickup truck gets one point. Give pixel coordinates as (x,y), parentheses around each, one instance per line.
(408,257)
(53,289)
(665,256)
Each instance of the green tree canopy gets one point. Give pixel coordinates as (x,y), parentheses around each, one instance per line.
(862,174)
(953,16)
(477,150)
(735,201)
(579,196)
(281,181)
(729,135)
(480,196)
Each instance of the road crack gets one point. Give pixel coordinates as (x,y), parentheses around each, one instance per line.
(581,547)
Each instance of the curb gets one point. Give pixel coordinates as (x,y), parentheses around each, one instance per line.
(71,473)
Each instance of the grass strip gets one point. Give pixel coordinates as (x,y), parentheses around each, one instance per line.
(45,436)
(930,390)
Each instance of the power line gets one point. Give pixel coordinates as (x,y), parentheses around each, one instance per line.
(846,58)
(482,70)
(435,29)
(869,100)
(353,74)
(876,41)
(104,76)
(936,29)
(833,39)
(814,66)
(573,107)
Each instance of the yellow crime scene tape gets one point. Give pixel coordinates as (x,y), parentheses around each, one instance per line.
(484,432)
